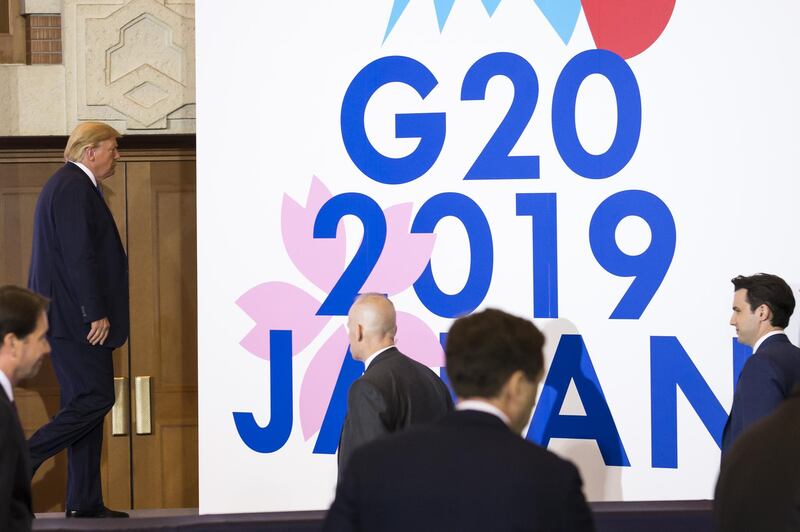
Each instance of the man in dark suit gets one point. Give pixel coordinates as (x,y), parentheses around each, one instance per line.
(23,345)
(762,305)
(79,263)
(471,470)
(759,482)
(395,392)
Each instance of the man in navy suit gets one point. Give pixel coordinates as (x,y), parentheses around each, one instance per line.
(79,262)
(471,470)
(395,391)
(23,345)
(762,305)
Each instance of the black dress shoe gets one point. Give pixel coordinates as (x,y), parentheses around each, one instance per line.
(101,512)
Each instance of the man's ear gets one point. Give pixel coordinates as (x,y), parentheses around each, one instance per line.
(764,312)
(360,332)
(514,384)
(9,341)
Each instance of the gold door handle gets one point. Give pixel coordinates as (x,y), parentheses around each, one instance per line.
(119,412)
(144,423)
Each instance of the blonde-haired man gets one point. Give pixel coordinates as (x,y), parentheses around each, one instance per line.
(79,263)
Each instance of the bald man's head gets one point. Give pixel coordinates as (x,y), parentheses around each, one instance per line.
(371,325)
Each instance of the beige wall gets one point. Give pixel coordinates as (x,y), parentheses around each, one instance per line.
(32,100)
(127,62)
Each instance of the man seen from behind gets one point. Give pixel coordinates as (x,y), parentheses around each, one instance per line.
(471,470)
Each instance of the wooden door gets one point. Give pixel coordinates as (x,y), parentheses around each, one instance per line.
(162,243)
(153,202)
(12,33)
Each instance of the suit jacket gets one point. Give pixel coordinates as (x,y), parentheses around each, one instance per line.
(759,482)
(16,511)
(394,393)
(766,380)
(78,260)
(465,472)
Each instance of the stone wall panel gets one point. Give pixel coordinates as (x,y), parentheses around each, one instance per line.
(131,63)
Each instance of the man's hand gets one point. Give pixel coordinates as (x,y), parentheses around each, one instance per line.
(99,331)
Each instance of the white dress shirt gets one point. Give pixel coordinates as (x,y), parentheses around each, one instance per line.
(6,383)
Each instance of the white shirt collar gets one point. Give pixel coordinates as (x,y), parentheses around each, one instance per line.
(761,340)
(6,383)
(483,406)
(86,171)
(369,360)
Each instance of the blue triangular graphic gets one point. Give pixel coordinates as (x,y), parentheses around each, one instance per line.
(491,6)
(397,10)
(443,8)
(562,15)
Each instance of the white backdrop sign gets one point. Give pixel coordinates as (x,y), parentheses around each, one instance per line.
(604,171)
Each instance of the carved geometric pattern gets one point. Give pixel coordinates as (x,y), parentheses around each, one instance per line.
(139,62)
(145,41)
(146,95)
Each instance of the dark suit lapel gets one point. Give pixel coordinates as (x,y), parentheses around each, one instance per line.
(20,435)
(4,397)
(725,432)
(20,477)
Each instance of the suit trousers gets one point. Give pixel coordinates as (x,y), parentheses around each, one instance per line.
(86,376)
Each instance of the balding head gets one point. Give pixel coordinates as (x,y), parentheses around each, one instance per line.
(371,324)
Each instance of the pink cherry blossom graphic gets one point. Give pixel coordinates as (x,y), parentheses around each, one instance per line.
(320,260)
(404,256)
(418,341)
(279,305)
(319,380)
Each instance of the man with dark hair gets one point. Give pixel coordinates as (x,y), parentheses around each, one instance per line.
(762,305)
(759,482)
(78,261)
(470,470)
(23,345)
(395,391)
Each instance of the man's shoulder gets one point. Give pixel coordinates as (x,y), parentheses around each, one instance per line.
(778,352)
(394,358)
(480,428)
(68,177)
(777,345)
(777,342)
(68,171)
(394,365)
(387,362)
(459,435)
